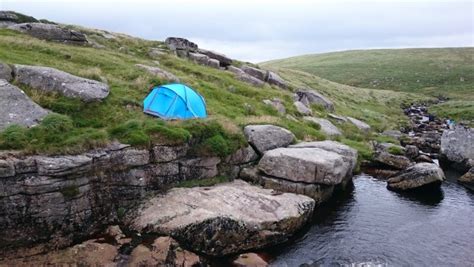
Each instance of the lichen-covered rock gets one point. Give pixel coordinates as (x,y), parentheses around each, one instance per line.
(7,168)
(339,119)
(63,165)
(310,96)
(221,58)
(242,156)
(159,72)
(214,63)
(416,176)
(244,77)
(53,80)
(164,153)
(302,109)
(5,72)
(51,32)
(394,161)
(457,147)
(327,127)
(308,165)
(266,137)
(224,219)
(199,58)
(199,168)
(17,108)
(359,124)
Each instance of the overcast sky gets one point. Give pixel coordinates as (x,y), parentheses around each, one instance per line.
(258,30)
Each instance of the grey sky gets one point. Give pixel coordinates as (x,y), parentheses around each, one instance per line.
(257,30)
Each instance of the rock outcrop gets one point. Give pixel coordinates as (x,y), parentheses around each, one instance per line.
(51,32)
(53,80)
(359,124)
(419,175)
(224,219)
(266,137)
(457,148)
(17,108)
(327,127)
(53,199)
(314,169)
(384,155)
(181,46)
(162,74)
(275,79)
(254,72)
(241,75)
(310,96)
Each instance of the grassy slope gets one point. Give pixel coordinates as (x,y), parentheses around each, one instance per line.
(429,71)
(231,104)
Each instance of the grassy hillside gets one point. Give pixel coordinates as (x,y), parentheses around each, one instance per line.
(428,71)
(232,104)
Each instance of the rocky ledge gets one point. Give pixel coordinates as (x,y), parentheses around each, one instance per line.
(224,219)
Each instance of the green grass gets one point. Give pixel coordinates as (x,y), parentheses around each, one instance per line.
(428,71)
(231,104)
(395,150)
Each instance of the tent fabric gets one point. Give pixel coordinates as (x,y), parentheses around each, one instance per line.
(175,101)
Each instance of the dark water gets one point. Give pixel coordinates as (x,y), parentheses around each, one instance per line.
(373,226)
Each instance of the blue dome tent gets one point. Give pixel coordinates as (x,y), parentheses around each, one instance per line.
(175,101)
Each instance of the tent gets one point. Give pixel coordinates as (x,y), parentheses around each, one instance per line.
(175,101)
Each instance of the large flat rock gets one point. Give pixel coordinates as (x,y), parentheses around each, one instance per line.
(53,80)
(310,96)
(224,219)
(457,147)
(306,165)
(327,127)
(17,108)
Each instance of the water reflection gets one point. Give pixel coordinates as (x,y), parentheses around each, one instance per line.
(372,226)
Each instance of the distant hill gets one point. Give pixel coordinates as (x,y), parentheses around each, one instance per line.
(446,71)
(425,71)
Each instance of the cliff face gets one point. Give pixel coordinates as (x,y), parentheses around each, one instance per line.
(61,199)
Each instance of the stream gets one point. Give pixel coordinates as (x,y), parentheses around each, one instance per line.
(372,226)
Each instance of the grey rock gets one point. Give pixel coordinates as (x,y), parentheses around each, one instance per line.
(457,147)
(199,168)
(349,154)
(395,161)
(235,217)
(214,63)
(53,80)
(165,75)
(5,72)
(308,165)
(339,119)
(416,176)
(130,157)
(222,59)
(199,58)
(27,165)
(51,32)
(168,153)
(302,109)
(9,16)
(250,79)
(64,165)
(7,168)
(275,79)
(423,158)
(17,108)
(256,73)
(176,43)
(277,104)
(310,96)
(468,179)
(266,137)
(359,124)
(235,70)
(327,127)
